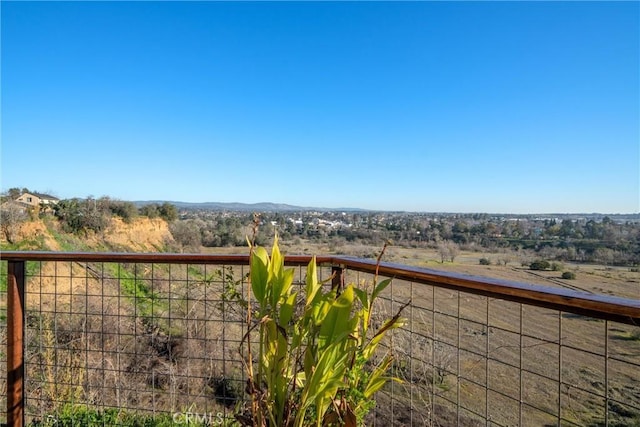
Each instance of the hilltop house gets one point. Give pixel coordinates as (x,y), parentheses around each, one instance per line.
(37,199)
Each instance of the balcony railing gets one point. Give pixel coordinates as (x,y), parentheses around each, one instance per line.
(159,335)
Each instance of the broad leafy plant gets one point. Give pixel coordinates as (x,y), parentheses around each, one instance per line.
(315,362)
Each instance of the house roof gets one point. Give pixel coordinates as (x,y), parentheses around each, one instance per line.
(40,195)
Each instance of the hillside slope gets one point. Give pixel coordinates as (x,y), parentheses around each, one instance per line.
(140,235)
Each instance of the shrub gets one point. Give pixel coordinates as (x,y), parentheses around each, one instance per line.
(78,215)
(569,275)
(77,415)
(539,265)
(556,266)
(150,210)
(315,360)
(166,211)
(125,210)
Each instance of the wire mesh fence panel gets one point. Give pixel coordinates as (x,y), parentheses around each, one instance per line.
(142,338)
(110,341)
(471,360)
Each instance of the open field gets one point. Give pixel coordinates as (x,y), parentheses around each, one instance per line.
(598,279)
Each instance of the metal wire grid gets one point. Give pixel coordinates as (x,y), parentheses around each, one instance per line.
(139,338)
(164,339)
(469,360)
(143,338)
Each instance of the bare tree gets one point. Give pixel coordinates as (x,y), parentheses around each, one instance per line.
(11,216)
(186,234)
(448,250)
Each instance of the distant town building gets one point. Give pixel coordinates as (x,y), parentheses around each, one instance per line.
(37,199)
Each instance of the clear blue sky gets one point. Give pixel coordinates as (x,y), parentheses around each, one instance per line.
(522,107)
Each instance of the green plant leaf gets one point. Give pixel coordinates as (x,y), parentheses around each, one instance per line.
(274,361)
(312,281)
(309,362)
(379,288)
(287,308)
(279,278)
(259,274)
(326,379)
(320,308)
(393,323)
(287,279)
(277,260)
(377,379)
(362,296)
(337,324)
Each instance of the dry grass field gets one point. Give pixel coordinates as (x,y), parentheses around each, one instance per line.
(599,279)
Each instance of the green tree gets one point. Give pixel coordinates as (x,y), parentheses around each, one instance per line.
(14,193)
(125,210)
(150,211)
(540,265)
(168,211)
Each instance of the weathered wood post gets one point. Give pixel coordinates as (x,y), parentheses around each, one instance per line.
(15,343)
(337,279)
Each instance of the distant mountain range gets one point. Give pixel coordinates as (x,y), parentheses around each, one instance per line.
(250,207)
(283,207)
